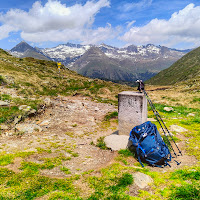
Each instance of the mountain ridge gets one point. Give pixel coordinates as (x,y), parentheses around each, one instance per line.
(142,61)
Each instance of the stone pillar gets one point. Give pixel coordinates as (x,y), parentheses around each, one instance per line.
(132,110)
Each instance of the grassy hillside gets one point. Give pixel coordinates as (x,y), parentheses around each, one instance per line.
(188,67)
(32,77)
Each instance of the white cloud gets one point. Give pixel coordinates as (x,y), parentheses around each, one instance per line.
(5,30)
(140,5)
(183,26)
(129,24)
(54,21)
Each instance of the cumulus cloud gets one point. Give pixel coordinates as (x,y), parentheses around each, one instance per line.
(183,26)
(5,30)
(53,21)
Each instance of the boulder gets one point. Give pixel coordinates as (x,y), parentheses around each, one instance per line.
(142,180)
(116,142)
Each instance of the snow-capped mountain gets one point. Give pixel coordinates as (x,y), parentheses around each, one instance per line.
(66,53)
(132,61)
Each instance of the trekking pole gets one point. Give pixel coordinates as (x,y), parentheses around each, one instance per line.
(161,122)
(156,114)
(158,117)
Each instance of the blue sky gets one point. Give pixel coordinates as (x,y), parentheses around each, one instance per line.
(47,23)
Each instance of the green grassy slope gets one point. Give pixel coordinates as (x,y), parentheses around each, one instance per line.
(39,77)
(188,67)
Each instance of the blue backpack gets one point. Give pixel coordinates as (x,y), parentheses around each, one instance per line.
(149,145)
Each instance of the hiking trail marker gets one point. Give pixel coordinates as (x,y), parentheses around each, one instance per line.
(59,66)
(132,111)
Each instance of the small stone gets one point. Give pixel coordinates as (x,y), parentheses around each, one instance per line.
(142,180)
(151,119)
(47,101)
(27,109)
(116,142)
(32,111)
(168,109)
(28,128)
(17,119)
(177,128)
(65,99)
(8,133)
(191,115)
(79,132)
(45,123)
(22,107)
(4,103)
(96,109)
(4,127)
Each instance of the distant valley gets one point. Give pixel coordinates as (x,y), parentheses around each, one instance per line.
(106,62)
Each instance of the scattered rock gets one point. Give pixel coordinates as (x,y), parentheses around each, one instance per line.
(142,180)
(79,132)
(17,119)
(8,133)
(191,115)
(45,123)
(151,119)
(28,128)
(4,103)
(47,101)
(168,109)
(32,111)
(177,128)
(116,142)
(96,109)
(65,99)
(22,107)
(4,127)
(27,109)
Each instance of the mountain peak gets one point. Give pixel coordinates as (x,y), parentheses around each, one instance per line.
(22,47)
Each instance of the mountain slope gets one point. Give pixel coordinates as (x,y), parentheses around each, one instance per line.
(39,77)
(23,50)
(188,67)
(95,64)
(126,64)
(22,47)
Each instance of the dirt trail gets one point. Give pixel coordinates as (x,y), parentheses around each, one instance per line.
(69,127)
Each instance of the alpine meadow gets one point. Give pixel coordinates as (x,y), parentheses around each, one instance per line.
(64,66)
